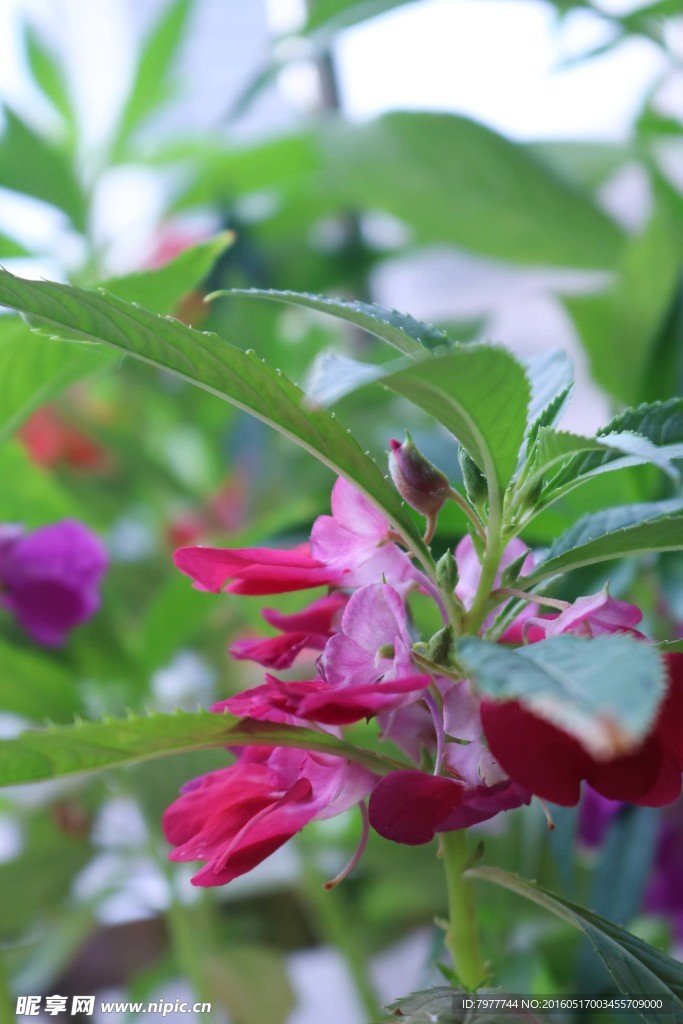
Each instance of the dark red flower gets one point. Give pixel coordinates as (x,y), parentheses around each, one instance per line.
(552,764)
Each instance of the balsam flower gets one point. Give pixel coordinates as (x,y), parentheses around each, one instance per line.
(351,547)
(50,578)
(235,817)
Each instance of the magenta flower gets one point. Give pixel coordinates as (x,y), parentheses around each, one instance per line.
(316,700)
(235,817)
(309,629)
(347,549)
(50,578)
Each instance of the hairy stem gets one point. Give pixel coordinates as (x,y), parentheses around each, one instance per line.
(462,938)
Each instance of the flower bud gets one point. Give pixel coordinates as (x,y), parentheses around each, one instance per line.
(475,482)
(447,572)
(417,480)
(440,645)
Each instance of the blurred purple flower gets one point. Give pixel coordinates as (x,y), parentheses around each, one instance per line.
(50,577)
(596,814)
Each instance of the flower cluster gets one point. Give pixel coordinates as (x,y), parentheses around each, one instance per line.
(468,757)
(50,577)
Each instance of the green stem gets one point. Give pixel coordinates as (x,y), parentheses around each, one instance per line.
(339,928)
(479,609)
(462,938)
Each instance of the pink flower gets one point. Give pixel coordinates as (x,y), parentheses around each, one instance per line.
(50,578)
(469,566)
(349,548)
(373,642)
(253,570)
(235,817)
(309,629)
(591,616)
(356,541)
(316,700)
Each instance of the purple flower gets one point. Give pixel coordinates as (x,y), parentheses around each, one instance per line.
(49,578)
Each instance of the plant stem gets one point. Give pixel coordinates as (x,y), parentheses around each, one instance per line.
(462,938)
(339,928)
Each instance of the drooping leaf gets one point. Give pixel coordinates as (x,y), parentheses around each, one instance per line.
(109,743)
(34,369)
(605,690)
(211,363)
(637,968)
(408,335)
(160,289)
(475,189)
(612,533)
(33,165)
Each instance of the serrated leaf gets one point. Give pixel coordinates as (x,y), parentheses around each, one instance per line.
(94,746)
(408,335)
(660,424)
(636,967)
(33,370)
(604,690)
(612,533)
(162,288)
(551,376)
(217,366)
(478,392)
(31,164)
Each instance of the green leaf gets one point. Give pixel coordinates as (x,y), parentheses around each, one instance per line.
(620,327)
(49,76)
(671,647)
(334,15)
(31,164)
(637,969)
(217,366)
(479,393)
(604,690)
(612,533)
(455,181)
(33,370)
(36,687)
(109,743)
(659,423)
(408,335)
(151,86)
(551,377)
(162,288)
(11,249)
